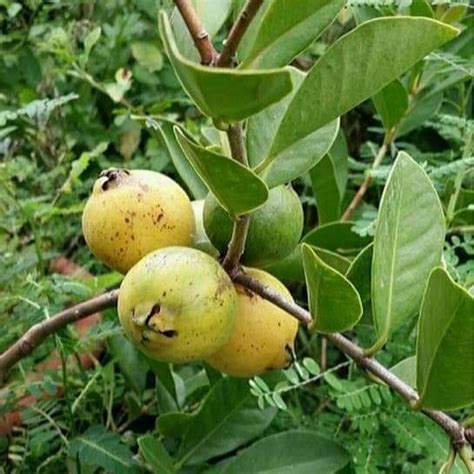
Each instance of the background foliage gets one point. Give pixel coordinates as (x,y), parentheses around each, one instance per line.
(73,78)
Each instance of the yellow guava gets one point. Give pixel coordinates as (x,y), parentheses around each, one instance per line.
(263,334)
(177,305)
(131,213)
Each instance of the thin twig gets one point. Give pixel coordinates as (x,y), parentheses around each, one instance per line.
(466,229)
(324,354)
(198,33)
(241,224)
(39,332)
(237,32)
(359,196)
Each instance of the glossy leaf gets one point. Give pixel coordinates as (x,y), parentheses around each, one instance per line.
(355,68)
(337,237)
(155,455)
(295,161)
(225,94)
(164,130)
(285,31)
(391,103)
(408,243)
(213,14)
(296,451)
(333,300)
(228,418)
(445,349)
(236,187)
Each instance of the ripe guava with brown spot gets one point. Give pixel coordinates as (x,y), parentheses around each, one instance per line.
(177,305)
(274,231)
(131,213)
(263,334)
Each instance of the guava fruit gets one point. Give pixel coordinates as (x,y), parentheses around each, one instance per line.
(177,305)
(263,334)
(274,231)
(131,213)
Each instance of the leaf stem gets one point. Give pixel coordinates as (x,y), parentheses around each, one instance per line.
(198,33)
(237,32)
(241,224)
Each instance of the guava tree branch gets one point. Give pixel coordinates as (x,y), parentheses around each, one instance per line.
(241,224)
(237,32)
(460,437)
(198,33)
(37,334)
(455,430)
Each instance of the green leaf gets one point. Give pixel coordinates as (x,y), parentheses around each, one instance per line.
(360,272)
(295,161)
(445,349)
(355,68)
(228,418)
(391,103)
(173,424)
(81,164)
(408,243)
(285,31)
(311,366)
(90,40)
(166,392)
(237,189)
(156,455)
(334,260)
(337,237)
(164,131)
(133,368)
(148,55)
(326,191)
(212,13)
(421,8)
(279,402)
(298,452)
(424,107)
(102,448)
(329,180)
(333,300)
(290,269)
(406,370)
(225,94)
